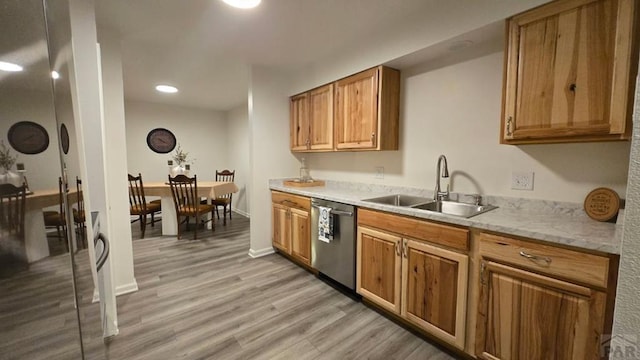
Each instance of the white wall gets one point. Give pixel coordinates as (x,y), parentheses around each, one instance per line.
(116,176)
(87,103)
(627,311)
(269,149)
(454,109)
(201,133)
(238,155)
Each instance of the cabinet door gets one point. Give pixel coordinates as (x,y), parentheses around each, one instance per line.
(299,127)
(321,118)
(281,228)
(434,290)
(357,111)
(300,235)
(379,265)
(567,72)
(523,315)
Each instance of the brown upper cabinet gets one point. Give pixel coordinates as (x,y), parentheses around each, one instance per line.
(359,112)
(312,120)
(570,68)
(367,110)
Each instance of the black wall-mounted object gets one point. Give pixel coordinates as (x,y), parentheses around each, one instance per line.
(161,140)
(28,137)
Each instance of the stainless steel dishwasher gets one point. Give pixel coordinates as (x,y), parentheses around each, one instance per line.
(336,259)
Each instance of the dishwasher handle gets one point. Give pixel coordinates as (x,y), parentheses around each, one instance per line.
(336,212)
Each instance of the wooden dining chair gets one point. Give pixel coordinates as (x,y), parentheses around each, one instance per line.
(187,202)
(138,203)
(57,219)
(12,210)
(224,200)
(79,214)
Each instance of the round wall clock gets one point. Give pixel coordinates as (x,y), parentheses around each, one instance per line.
(64,138)
(28,137)
(161,140)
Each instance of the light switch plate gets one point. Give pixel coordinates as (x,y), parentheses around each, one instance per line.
(379,172)
(522,180)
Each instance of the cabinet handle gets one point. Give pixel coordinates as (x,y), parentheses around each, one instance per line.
(509,121)
(398,249)
(535,258)
(483,266)
(373,138)
(404,249)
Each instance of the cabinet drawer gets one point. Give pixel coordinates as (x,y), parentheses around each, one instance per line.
(291,200)
(449,236)
(555,261)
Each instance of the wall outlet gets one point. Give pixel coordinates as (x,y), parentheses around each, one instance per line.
(379,172)
(522,180)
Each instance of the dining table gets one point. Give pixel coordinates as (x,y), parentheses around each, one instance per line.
(206,189)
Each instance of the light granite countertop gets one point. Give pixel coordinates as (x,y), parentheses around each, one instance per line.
(547,221)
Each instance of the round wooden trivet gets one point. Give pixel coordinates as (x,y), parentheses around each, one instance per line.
(602,204)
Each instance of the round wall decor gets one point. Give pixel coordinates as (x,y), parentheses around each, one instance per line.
(602,204)
(161,140)
(28,137)
(64,138)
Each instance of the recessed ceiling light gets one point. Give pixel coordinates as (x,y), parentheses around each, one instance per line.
(7,66)
(55,75)
(243,4)
(167,89)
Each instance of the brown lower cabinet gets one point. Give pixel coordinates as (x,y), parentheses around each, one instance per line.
(423,283)
(488,295)
(292,225)
(523,315)
(542,302)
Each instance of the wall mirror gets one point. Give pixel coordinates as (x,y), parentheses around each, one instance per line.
(46,286)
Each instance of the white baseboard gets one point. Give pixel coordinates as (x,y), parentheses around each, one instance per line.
(243,213)
(120,290)
(262,252)
(127,288)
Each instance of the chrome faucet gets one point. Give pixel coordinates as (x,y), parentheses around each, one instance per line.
(438,194)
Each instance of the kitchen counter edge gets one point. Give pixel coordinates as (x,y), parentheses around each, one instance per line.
(578,232)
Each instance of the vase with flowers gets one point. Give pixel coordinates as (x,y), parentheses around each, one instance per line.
(179,165)
(7,160)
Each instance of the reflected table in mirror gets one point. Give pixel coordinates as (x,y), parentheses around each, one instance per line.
(35,235)
(206,189)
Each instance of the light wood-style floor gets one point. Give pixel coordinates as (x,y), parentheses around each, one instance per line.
(207,299)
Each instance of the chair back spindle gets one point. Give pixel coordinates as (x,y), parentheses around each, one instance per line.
(184,191)
(224,200)
(138,203)
(136,193)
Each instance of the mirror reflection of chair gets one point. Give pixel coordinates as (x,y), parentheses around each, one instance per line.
(138,203)
(79,215)
(185,198)
(57,219)
(12,210)
(224,200)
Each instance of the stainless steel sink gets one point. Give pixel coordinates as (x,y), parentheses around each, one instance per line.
(400,200)
(455,208)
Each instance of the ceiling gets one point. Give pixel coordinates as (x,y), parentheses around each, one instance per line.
(23,41)
(206,48)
